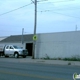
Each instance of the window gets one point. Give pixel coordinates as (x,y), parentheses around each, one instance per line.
(11,47)
(16,47)
(7,47)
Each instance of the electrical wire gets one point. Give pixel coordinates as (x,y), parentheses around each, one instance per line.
(25,6)
(40,11)
(60,13)
(59,1)
(14,9)
(42,0)
(38,1)
(62,9)
(20,7)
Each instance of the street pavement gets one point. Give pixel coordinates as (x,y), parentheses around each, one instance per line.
(42,61)
(31,71)
(37,69)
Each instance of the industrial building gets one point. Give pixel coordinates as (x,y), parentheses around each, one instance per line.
(53,45)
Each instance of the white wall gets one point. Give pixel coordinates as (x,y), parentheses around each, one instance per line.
(58,45)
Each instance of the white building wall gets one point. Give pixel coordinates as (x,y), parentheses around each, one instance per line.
(58,45)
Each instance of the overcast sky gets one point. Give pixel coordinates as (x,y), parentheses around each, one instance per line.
(52,16)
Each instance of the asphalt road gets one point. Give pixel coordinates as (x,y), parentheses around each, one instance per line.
(35,71)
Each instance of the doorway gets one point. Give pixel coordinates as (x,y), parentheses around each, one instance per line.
(29,47)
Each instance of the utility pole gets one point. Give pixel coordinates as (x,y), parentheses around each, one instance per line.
(22,36)
(35,24)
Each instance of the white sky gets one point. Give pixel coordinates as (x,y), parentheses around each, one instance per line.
(52,16)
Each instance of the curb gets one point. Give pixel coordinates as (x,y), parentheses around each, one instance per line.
(54,62)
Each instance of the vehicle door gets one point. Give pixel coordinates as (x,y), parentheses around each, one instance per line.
(11,50)
(7,50)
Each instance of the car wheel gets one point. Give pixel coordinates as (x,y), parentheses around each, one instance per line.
(16,55)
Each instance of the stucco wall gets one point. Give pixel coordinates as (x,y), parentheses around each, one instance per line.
(58,45)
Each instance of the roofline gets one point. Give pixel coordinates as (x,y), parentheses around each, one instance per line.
(41,33)
(59,32)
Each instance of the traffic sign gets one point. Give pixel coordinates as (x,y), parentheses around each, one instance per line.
(35,37)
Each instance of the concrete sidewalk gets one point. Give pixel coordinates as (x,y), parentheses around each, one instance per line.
(57,62)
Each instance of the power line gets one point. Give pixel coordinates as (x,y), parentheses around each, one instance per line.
(19,7)
(42,0)
(58,1)
(60,13)
(14,9)
(28,5)
(62,9)
(38,1)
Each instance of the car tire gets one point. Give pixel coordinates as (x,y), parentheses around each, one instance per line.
(16,55)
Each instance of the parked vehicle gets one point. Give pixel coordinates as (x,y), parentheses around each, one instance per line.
(12,50)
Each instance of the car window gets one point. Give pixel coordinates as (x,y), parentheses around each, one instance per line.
(17,47)
(7,47)
(11,47)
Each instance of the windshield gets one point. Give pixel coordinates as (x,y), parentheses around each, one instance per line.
(17,47)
